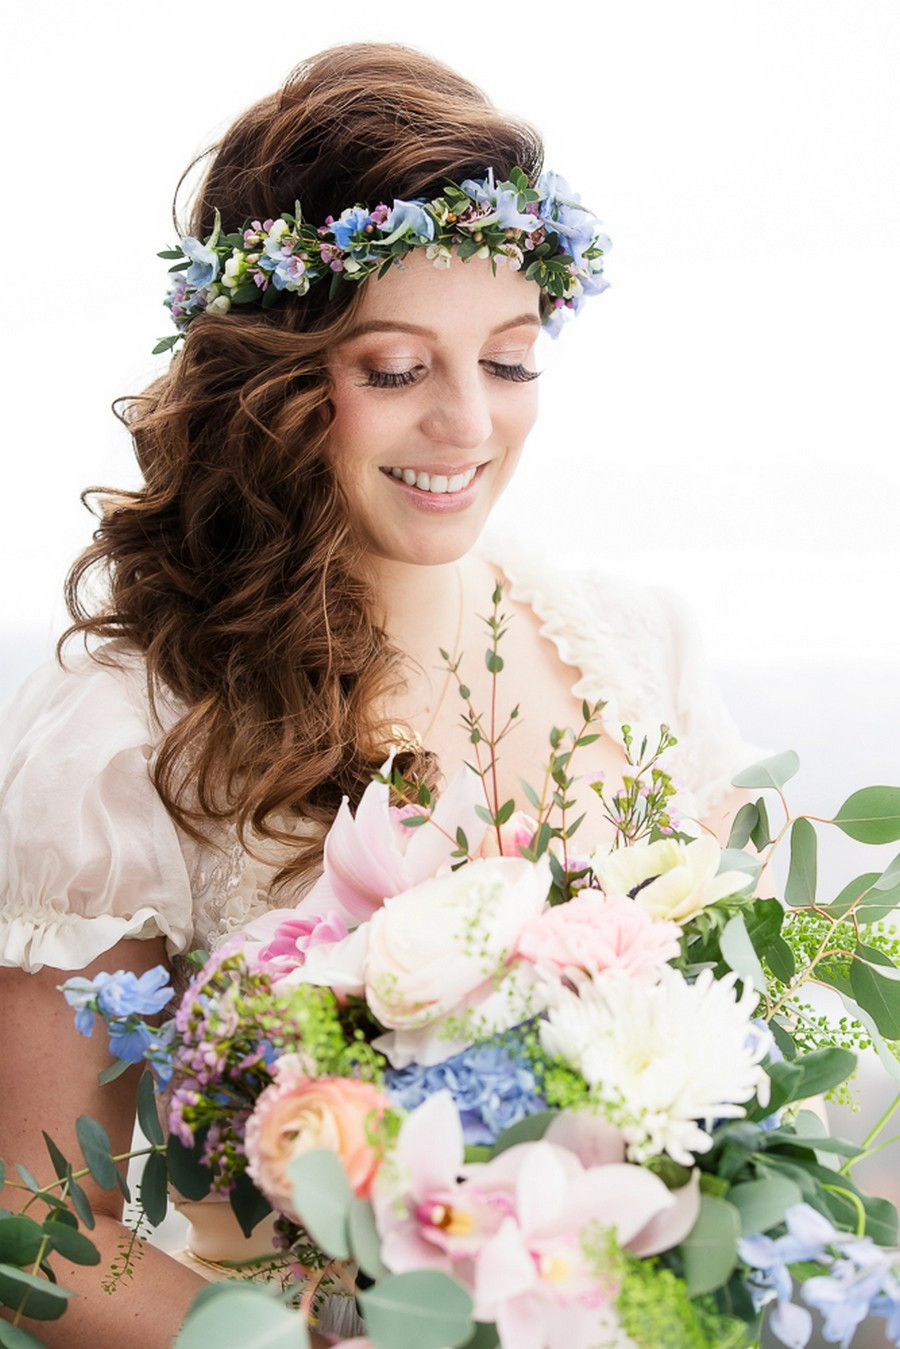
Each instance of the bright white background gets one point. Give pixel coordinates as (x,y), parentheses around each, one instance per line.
(724,419)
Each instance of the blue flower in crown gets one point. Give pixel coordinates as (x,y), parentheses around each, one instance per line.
(562,212)
(503,202)
(409,219)
(204,267)
(349,222)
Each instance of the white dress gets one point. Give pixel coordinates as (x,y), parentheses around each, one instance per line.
(89,855)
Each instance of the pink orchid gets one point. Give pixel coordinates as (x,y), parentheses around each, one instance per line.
(528,1231)
(373,855)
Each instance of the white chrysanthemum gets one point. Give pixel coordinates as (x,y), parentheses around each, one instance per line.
(663,1059)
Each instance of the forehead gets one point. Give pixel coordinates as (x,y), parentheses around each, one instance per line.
(466,295)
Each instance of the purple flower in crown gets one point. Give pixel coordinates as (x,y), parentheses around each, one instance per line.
(289,273)
(204,266)
(350,222)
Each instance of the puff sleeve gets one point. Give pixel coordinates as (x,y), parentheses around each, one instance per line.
(88,853)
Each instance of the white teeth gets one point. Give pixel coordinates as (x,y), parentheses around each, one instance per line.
(438,484)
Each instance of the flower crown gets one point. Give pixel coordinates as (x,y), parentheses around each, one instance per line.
(544,229)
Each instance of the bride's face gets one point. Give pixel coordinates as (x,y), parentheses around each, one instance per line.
(434,393)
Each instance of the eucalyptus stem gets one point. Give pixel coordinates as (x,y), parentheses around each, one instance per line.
(857,1203)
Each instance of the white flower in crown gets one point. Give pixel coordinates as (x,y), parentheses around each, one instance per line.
(672,880)
(219,305)
(439,254)
(663,1060)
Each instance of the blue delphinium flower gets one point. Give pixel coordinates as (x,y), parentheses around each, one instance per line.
(863,1284)
(409,219)
(561,211)
(503,203)
(492,1084)
(119,998)
(204,266)
(350,222)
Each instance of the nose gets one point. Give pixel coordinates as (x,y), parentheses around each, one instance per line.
(459,412)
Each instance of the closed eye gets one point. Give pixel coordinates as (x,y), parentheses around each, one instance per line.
(520,374)
(390,379)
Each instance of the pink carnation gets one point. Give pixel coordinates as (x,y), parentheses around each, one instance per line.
(597,934)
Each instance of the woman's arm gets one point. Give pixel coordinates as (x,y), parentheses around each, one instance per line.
(48,1077)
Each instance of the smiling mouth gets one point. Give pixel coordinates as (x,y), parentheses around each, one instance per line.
(439,484)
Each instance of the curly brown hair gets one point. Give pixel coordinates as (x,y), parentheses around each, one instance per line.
(235,569)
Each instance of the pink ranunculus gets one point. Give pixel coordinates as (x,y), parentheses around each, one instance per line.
(298,1114)
(297,934)
(515,836)
(596,933)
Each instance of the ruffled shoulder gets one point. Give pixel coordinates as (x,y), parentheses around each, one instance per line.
(88,853)
(638,648)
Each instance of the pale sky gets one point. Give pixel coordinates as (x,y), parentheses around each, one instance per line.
(723,420)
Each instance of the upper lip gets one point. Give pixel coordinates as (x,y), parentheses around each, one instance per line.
(435,470)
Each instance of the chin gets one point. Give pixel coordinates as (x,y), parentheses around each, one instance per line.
(439,543)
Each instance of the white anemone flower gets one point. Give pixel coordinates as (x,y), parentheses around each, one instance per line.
(670,879)
(663,1060)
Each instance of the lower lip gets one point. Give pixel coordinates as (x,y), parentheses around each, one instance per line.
(437,503)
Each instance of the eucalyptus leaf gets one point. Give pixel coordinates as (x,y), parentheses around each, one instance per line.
(781,960)
(823,1069)
(81,1204)
(871,815)
(189,1176)
(28,1178)
(153,1188)
(60,1163)
(322,1197)
(421,1309)
(762,1204)
(17,1337)
(95,1145)
(485,1337)
(761,835)
(886,1057)
(148,1115)
(45,1301)
(771,772)
(248,1204)
(739,953)
(70,1244)
(745,822)
(709,1251)
(801,881)
(112,1071)
(20,1240)
(735,859)
(238,1314)
(364,1239)
(879,995)
(851,892)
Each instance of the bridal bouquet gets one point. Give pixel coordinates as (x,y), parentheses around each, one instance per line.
(508,1087)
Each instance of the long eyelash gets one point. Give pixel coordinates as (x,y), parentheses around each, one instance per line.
(518,373)
(390,379)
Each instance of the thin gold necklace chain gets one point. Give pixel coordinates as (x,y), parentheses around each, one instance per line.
(454,656)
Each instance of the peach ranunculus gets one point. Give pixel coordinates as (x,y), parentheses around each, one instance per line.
(596,934)
(298,1114)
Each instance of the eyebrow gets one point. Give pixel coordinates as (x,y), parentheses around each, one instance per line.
(397,326)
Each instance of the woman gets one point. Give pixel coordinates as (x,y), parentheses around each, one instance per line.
(318,472)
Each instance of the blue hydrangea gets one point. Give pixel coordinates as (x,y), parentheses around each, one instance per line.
(561,211)
(493,1085)
(503,202)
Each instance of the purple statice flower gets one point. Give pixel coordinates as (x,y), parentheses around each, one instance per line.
(493,1085)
